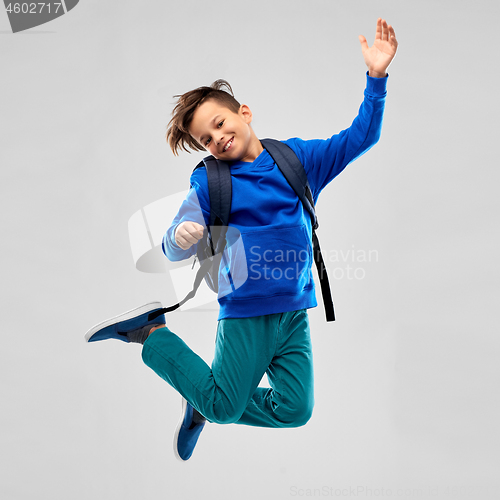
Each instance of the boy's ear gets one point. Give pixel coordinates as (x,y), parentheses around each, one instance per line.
(245,113)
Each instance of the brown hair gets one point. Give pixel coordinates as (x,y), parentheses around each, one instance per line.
(178,136)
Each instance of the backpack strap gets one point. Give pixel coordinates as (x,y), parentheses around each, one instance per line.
(220,194)
(202,271)
(219,190)
(294,172)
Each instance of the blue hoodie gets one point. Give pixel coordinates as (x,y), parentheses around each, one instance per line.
(273,273)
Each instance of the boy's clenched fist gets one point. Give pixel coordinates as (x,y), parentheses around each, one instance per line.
(188,233)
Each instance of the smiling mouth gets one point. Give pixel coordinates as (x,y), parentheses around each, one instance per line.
(228,144)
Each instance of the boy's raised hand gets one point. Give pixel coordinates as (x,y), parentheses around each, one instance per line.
(382,52)
(188,233)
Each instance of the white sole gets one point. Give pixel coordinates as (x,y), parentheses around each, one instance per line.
(179,425)
(151,306)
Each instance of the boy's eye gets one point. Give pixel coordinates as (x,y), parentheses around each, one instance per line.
(219,125)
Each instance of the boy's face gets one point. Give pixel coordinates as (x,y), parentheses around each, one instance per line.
(223,133)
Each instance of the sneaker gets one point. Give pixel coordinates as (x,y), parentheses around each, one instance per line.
(187,432)
(118,327)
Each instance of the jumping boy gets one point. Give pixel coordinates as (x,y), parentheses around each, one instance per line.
(263,325)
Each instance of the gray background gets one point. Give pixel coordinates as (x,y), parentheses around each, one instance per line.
(406,379)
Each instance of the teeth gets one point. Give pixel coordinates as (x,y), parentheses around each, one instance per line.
(228,144)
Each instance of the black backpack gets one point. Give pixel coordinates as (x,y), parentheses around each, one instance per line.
(211,246)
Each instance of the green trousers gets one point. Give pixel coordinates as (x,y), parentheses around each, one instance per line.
(245,348)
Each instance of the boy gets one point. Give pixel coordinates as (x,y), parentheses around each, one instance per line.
(263,324)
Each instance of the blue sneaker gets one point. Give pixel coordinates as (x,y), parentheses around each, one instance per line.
(188,431)
(127,323)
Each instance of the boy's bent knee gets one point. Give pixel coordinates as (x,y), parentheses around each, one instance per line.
(297,416)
